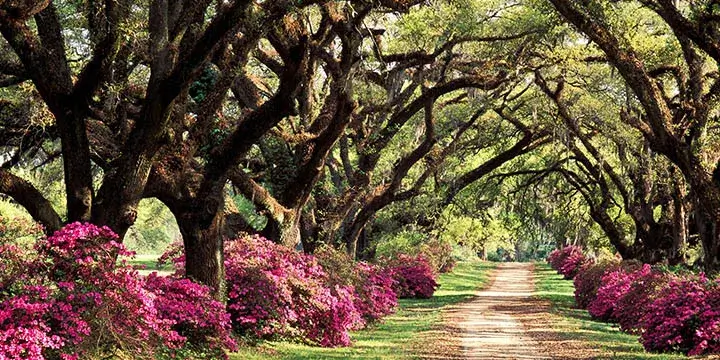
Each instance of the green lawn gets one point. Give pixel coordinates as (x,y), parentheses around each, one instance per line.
(576,323)
(393,338)
(148,263)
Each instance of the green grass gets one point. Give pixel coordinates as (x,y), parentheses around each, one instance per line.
(149,261)
(576,324)
(393,338)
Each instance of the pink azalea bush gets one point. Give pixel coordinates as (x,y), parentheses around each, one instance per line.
(13,229)
(567,261)
(74,301)
(634,304)
(414,276)
(200,322)
(24,333)
(707,334)
(614,285)
(16,248)
(173,255)
(555,259)
(12,264)
(439,254)
(671,313)
(374,296)
(572,264)
(685,318)
(276,292)
(589,279)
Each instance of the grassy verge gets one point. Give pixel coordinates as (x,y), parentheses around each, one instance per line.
(576,324)
(393,338)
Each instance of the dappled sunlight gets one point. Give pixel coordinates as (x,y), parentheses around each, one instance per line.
(486,328)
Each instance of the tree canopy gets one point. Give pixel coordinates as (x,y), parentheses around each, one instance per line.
(527,124)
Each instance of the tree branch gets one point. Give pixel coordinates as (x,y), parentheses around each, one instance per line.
(25,194)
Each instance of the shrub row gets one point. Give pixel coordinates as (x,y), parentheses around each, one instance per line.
(670,312)
(567,261)
(277,293)
(67,297)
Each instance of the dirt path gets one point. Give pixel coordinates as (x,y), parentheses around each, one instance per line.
(488,324)
(503,321)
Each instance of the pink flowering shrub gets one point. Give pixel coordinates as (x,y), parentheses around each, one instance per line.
(13,264)
(614,285)
(24,333)
(707,334)
(276,292)
(567,261)
(19,228)
(200,322)
(414,276)
(376,295)
(76,302)
(326,316)
(373,293)
(173,255)
(555,259)
(633,306)
(675,321)
(82,252)
(589,279)
(685,318)
(572,265)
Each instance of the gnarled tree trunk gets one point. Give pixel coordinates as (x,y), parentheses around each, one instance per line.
(203,242)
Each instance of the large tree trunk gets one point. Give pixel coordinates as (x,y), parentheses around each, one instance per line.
(356,227)
(309,233)
(204,261)
(363,250)
(202,225)
(707,211)
(653,242)
(118,198)
(680,224)
(77,169)
(285,231)
(614,234)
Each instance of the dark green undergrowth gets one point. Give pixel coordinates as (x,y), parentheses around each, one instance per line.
(576,324)
(396,336)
